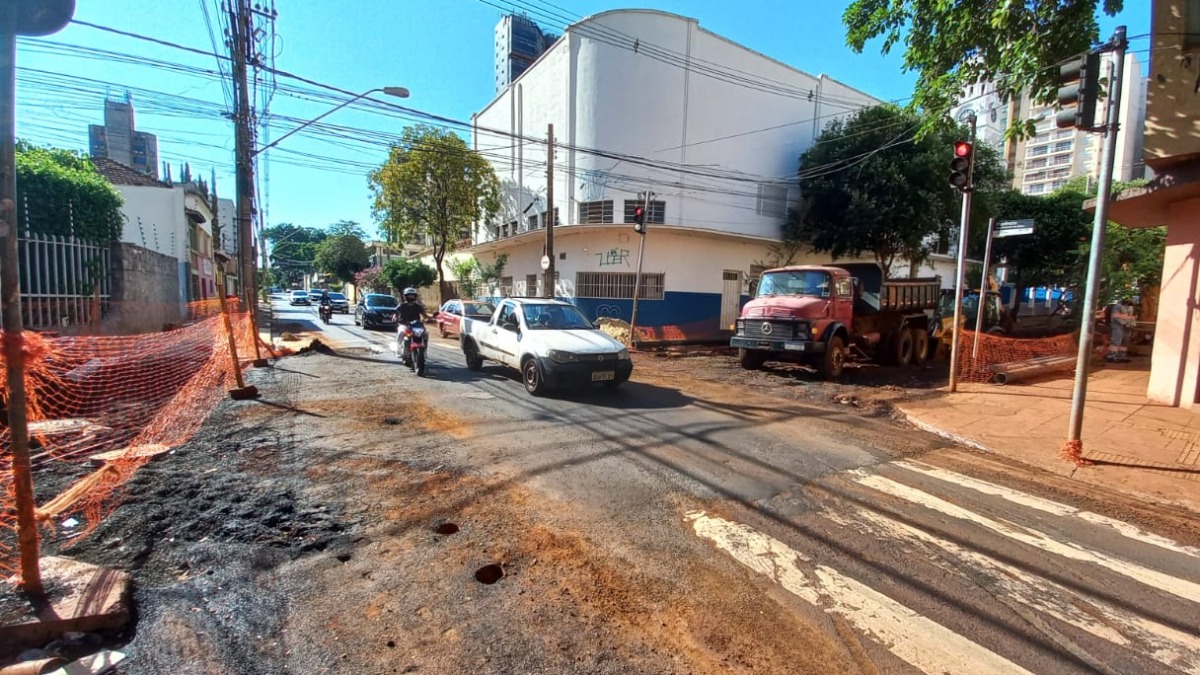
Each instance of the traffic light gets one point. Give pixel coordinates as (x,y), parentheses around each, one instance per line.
(960,166)
(639,219)
(1078,89)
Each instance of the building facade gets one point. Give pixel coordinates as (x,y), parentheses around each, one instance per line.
(1172,198)
(647,101)
(118,140)
(519,42)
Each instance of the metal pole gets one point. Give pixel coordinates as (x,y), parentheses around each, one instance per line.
(241,42)
(10,289)
(637,280)
(983,287)
(963,231)
(548,281)
(1104,187)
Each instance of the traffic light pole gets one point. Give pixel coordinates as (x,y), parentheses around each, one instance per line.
(1074,445)
(961,270)
(637,280)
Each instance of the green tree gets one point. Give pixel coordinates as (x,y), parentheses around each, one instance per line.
(869,187)
(293,250)
(347,227)
(433,186)
(473,277)
(951,45)
(342,256)
(401,273)
(1051,255)
(60,192)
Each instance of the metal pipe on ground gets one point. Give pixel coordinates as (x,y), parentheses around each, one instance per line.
(1020,370)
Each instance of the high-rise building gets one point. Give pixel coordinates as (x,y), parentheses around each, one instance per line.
(1045,161)
(519,42)
(118,140)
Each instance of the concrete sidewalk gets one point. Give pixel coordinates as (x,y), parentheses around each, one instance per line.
(1137,447)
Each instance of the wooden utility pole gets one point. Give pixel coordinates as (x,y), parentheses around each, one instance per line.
(10,289)
(548,282)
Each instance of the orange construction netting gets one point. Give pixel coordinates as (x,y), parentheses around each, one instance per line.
(1001,359)
(99,407)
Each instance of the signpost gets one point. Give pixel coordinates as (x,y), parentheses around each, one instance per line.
(1014,228)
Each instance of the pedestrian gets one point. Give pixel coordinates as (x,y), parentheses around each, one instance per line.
(1121,325)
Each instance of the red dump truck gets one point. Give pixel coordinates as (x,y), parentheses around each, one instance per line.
(827,315)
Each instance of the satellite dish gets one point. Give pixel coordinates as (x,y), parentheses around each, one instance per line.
(43,17)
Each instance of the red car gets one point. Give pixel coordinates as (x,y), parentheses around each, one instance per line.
(449,317)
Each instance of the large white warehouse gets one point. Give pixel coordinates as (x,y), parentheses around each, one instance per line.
(643,100)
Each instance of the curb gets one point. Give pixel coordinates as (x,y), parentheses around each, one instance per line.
(938,431)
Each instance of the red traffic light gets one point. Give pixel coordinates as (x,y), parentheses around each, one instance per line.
(638,211)
(962,149)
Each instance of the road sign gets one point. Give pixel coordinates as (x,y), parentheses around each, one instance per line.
(545,262)
(1014,228)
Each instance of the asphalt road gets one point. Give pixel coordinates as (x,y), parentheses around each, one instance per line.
(868,531)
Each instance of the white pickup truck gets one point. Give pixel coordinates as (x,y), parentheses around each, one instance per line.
(550,342)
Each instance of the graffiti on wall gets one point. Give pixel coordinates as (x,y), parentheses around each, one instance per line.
(610,311)
(614,256)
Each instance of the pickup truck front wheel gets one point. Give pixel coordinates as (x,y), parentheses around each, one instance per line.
(532,375)
(471,352)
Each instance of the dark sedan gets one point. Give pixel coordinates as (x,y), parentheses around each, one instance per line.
(449,317)
(376,310)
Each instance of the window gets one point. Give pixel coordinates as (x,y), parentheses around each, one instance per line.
(1063,146)
(1036,163)
(505,286)
(596,212)
(1038,189)
(1061,159)
(546,220)
(531,285)
(656,212)
(533,222)
(1060,173)
(845,287)
(618,285)
(1191,23)
(772,200)
(508,314)
(1031,177)
(1040,150)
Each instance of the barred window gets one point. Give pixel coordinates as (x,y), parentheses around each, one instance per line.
(772,200)
(546,220)
(596,212)
(619,285)
(506,286)
(531,285)
(533,222)
(656,212)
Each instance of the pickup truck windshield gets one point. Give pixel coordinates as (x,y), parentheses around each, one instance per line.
(808,282)
(555,317)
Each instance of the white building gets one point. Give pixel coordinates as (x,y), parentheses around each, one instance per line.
(646,100)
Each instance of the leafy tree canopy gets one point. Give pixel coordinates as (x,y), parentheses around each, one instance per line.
(371,280)
(868,186)
(293,249)
(342,256)
(401,273)
(350,227)
(951,45)
(432,185)
(60,192)
(1051,255)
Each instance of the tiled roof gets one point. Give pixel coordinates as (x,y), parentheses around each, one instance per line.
(120,174)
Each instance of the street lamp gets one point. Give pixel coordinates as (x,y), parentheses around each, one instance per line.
(398,92)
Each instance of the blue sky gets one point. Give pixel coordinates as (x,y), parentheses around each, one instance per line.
(441,50)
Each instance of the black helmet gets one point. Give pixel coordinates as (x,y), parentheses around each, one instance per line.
(410,294)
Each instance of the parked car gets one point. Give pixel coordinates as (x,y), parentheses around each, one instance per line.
(376,310)
(550,342)
(298,298)
(449,317)
(339,303)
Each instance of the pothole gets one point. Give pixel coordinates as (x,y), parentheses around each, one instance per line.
(446,528)
(392,420)
(489,574)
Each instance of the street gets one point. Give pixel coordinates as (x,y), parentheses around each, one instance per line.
(894,552)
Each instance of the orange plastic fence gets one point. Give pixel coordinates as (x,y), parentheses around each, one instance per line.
(128,397)
(995,352)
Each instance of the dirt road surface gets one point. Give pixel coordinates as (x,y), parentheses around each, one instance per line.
(358,519)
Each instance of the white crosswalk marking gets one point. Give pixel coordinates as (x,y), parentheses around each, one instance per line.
(1119,626)
(1047,506)
(927,645)
(1180,587)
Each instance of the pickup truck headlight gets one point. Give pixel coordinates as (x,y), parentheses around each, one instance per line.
(623,355)
(559,356)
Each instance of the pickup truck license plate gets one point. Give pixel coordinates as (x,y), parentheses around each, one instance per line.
(603,375)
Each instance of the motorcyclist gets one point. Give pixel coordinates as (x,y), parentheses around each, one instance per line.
(409,311)
(326,305)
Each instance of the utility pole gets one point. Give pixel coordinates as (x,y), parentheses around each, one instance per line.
(961,271)
(637,280)
(1073,447)
(10,289)
(548,283)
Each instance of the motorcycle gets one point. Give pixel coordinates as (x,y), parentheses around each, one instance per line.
(326,312)
(413,340)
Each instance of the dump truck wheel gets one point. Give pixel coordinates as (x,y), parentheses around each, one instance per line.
(834,359)
(920,340)
(902,347)
(751,359)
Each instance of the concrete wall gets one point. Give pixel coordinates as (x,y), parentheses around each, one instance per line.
(145,291)
(1172,125)
(1175,361)
(154,219)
